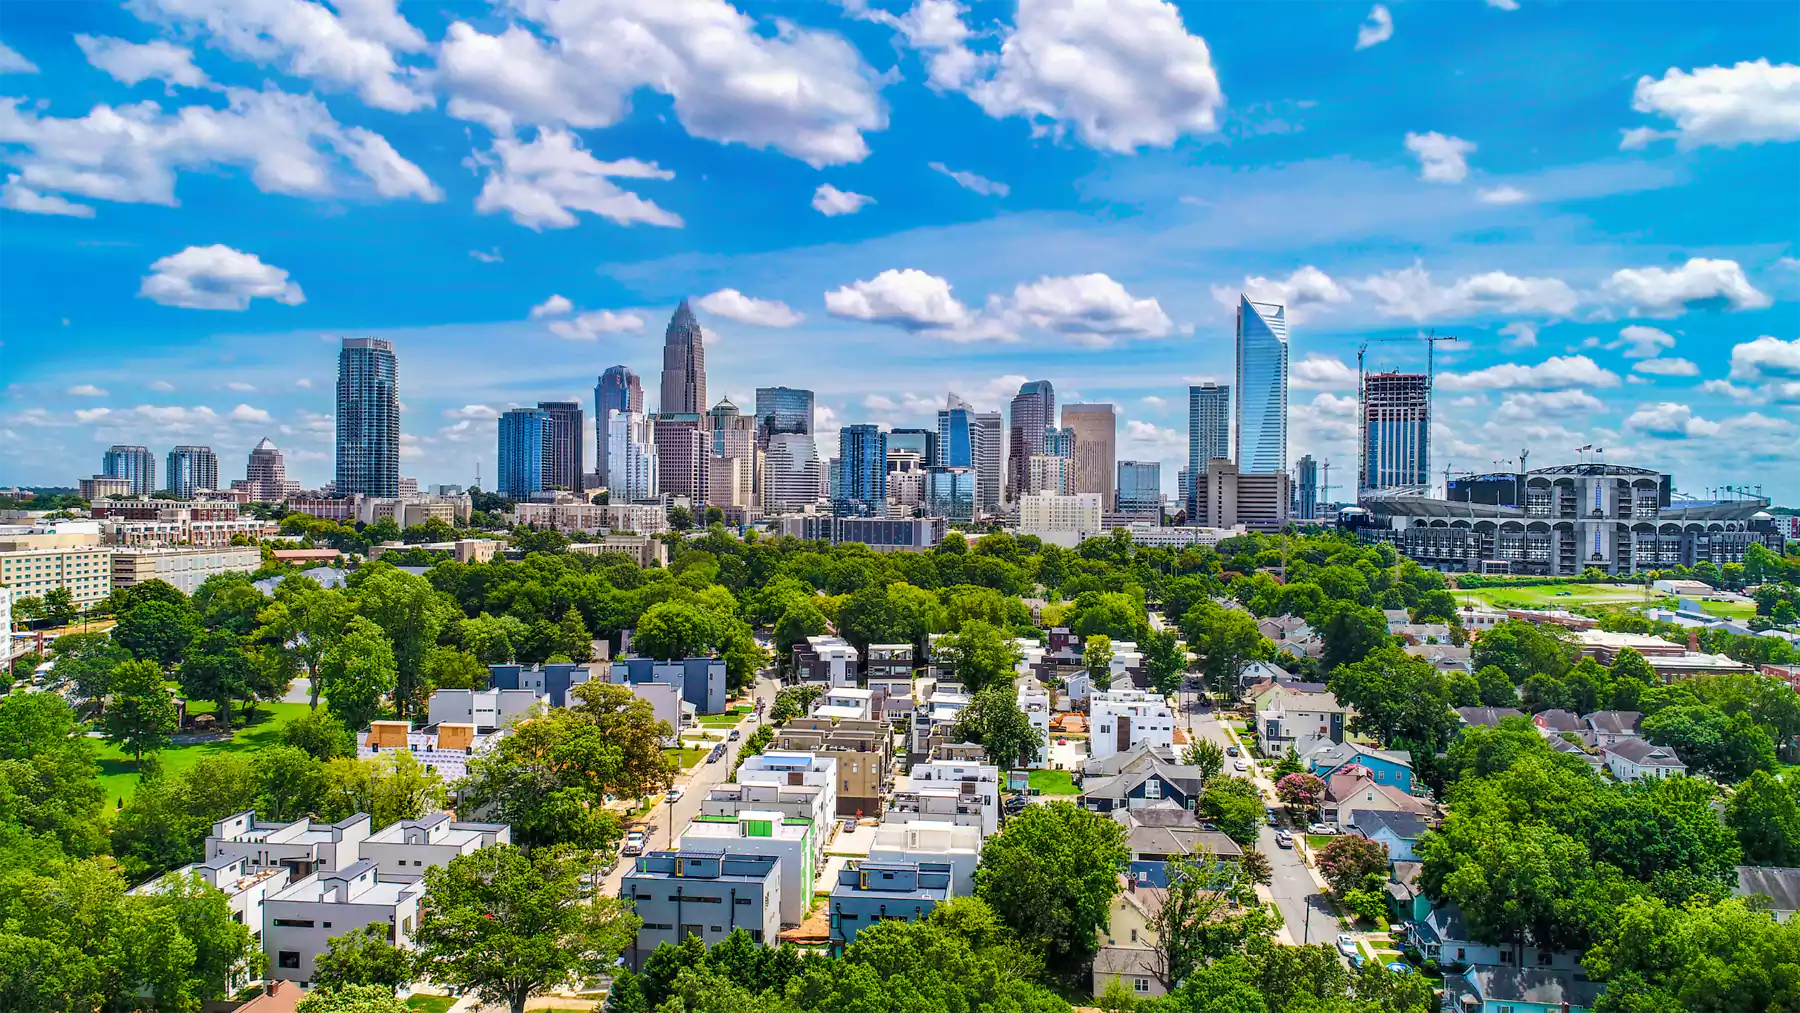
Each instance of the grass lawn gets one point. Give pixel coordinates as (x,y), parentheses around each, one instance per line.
(720,720)
(1729,609)
(430,1003)
(1560,596)
(1317,841)
(1053,782)
(688,757)
(118,771)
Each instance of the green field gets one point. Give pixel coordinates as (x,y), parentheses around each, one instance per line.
(1053,782)
(688,757)
(118,772)
(1559,596)
(430,1003)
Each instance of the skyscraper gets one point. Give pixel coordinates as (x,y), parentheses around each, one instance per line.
(684,365)
(990,460)
(1032,411)
(1140,488)
(527,452)
(1096,428)
(617,390)
(265,475)
(1209,434)
(919,441)
(567,452)
(956,434)
(368,419)
(792,473)
(734,475)
(1396,431)
(134,464)
(630,456)
(683,452)
(1262,380)
(783,410)
(192,468)
(862,471)
(1306,495)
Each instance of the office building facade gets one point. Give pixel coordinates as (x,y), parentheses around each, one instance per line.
(683,452)
(792,473)
(618,389)
(1225,497)
(990,460)
(951,493)
(1096,428)
(783,410)
(1209,434)
(1396,431)
(1262,382)
(1306,489)
(525,450)
(368,419)
(136,465)
(191,469)
(1140,488)
(684,365)
(922,442)
(905,481)
(567,453)
(631,456)
(265,475)
(1033,410)
(862,471)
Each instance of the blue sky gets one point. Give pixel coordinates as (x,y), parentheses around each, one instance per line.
(885,201)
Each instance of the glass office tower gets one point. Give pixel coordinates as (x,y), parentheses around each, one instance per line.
(527,450)
(861,487)
(783,410)
(368,419)
(1262,379)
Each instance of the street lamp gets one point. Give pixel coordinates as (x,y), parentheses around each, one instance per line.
(671,800)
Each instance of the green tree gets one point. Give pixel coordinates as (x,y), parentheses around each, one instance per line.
(1305,792)
(216,669)
(1227,641)
(1497,689)
(391,786)
(449,668)
(1522,649)
(86,661)
(1235,806)
(980,655)
(1051,876)
(1349,632)
(351,999)
(507,927)
(1165,661)
(1203,918)
(1350,862)
(49,784)
(670,630)
(681,518)
(364,957)
(359,672)
(1096,657)
(573,637)
(1764,815)
(143,714)
(305,622)
(320,734)
(157,631)
(1725,747)
(1206,755)
(412,614)
(290,784)
(1394,695)
(994,720)
(59,606)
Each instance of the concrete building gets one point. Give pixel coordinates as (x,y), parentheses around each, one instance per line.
(1060,519)
(617,390)
(265,475)
(702,680)
(1260,442)
(1096,428)
(882,534)
(32,570)
(1032,411)
(1123,719)
(700,893)
(929,841)
(869,891)
(734,474)
(565,445)
(133,464)
(1053,473)
(445,748)
(905,482)
(1177,537)
(1140,489)
(631,460)
(102,487)
(185,568)
(306,915)
(793,476)
(191,469)
(1306,489)
(247,890)
(683,456)
(684,365)
(766,832)
(826,660)
(863,749)
(368,419)
(952,791)
(1224,497)
(1396,432)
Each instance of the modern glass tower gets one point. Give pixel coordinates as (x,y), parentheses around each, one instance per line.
(783,410)
(684,365)
(1262,379)
(1032,411)
(1140,488)
(861,471)
(956,434)
(192,468)
(618,390)
(1306,489)
(527,451)
(134,464)
(919,441)
(1209,433)
(368,419)
(1396,431)
(567,454)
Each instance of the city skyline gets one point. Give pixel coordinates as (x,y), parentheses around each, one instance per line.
(1621,269)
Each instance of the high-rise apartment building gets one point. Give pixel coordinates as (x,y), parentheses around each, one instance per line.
(905,480)
(1262,381)
(136,465)
(990,460)
(1209,434)
(1033,410)
(1140,488)
(1054,473)
(862,471)
(368,419)
(683,452)
(526,452)
(618,389)
(191,469)
(684,365)
(1306,489)
(1396,431)
(734,479)
(630,456)
(1096,428)
(951,493)
(783,410)
(568,445)
(792,474)
(265,475)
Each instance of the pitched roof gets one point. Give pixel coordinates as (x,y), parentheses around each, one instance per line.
(1488,717)
(1337,754)
(1125,960)
(1118,763)
(1644,754)
(1614,722)
(1781,886)
(1557,720)
(1527,984)
(1162,840)
(1405,826)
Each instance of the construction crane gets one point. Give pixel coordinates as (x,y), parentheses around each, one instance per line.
(1431,339)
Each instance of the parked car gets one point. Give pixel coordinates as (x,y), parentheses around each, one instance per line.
(675,794)
(1241,765)
(1322,829)
(735,735)
(1273,822)
(717,754)
(1284,840)
(1231,750)
(634,842)
(1346,944)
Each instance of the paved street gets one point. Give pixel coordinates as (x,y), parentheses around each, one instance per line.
(1296,893)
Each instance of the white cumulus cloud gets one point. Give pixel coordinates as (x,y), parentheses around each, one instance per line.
(734,305)
(1700,283)
(1749,103)
(1520,334)
(16,196)
(829,201)
(85,390)
(1670,421)
(1667,367)
(1766,358)
(132,62)
(1092,308)
(544,182)
(1558,372)
(1502,195)
(1377,29)
(1322,372)
(478,412)
(555,306)
(589,326)
(1151,435)
(217,277)
(12,63)
(1640,342)
(1442,159)
(245,413)
(1306,287)
(972,182)
(907,297)
(1411,293)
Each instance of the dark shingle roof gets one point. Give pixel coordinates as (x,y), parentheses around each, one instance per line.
(1488,717)
(1614,722)
(1405,826)
(1644,754)
(1526,984)
(1781,886)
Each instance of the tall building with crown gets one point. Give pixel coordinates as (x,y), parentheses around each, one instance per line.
(684,365)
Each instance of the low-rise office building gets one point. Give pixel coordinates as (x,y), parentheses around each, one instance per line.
(706,894)
(868,892)
(184,568)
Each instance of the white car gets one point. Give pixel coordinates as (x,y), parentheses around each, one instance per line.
(1321,829)
(675,794)
(1242,765)
(1346,944)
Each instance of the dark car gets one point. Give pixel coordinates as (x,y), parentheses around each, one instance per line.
(1231,750)
(735,735)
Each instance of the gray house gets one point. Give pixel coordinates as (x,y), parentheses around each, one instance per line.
(702,680)
(871,892)
(701,893)
(1398,831)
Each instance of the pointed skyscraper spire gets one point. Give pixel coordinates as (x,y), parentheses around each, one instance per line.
(684,364)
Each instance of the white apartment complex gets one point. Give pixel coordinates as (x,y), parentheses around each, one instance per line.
(184,567)
(1061,519)
(1123,719)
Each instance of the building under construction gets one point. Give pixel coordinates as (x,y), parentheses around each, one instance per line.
(1396,432)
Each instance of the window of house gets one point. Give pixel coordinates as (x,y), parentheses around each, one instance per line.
(287,958)
(1153,788)
(1459,953)
(1506,957)
(1140,984)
